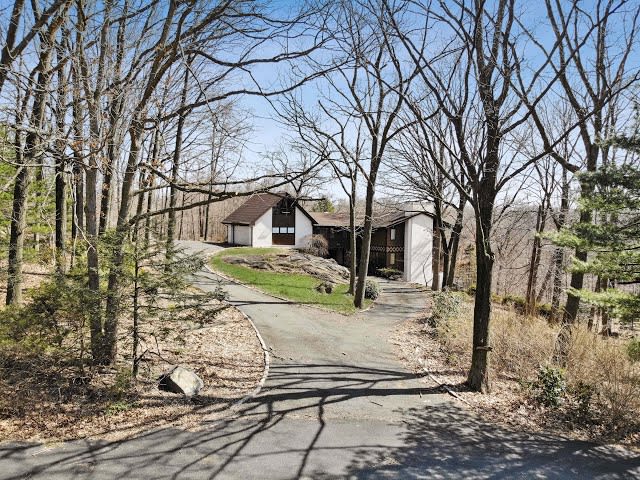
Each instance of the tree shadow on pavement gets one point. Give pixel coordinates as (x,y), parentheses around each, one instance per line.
(328,421)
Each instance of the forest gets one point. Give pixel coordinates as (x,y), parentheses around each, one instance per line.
(128,125)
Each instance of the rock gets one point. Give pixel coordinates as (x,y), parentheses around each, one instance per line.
(180,380)
(325,287)
(325,270)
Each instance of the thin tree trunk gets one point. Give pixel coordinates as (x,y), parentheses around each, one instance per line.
(114,292)
(60,166)
(435,259)
(31,154)
(365,248)
(175,168)
(353,244)
(455,243)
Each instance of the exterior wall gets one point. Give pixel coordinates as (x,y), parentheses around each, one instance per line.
(262,230)
(304,228)
(241,235)
(418,247)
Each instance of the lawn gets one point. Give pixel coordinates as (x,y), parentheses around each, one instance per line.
(299,288)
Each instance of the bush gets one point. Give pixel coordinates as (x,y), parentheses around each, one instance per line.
(390,273)
(316,245)
(520,344)
(604,364)
(54,310)
(550,386)
(633,350)
(445,307)
(371,289)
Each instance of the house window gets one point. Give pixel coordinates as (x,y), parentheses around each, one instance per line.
(393,236)
(283,230)
(392,256)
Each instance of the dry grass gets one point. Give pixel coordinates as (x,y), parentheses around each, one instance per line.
(47,397)
(520,344)
(597,366)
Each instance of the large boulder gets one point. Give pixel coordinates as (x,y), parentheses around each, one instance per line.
(324,269)
(181,380)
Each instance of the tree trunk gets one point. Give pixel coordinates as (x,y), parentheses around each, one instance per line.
(455,243)
(60,166)
(29,155)
(175,168)
(534,264)
(478,378)
(365,247)
(114,292)
(353,240)
(435,258)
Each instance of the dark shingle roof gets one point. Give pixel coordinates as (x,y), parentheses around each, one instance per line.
(251,210)
(380,220)
(325,219)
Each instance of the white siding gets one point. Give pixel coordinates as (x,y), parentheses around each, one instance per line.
(241,235)
(418,245)
(304,228)
(262,230)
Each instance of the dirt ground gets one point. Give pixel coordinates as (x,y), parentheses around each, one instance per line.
(47,399)
(508,403)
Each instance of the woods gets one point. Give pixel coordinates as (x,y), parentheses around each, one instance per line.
(127,125)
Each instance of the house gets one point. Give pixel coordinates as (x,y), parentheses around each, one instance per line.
(402,238)
(268,219)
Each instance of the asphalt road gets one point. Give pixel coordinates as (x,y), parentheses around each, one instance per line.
(336,404)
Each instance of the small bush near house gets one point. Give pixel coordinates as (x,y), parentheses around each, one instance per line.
(550,386)
(390,273)
(371,289)
(316,245)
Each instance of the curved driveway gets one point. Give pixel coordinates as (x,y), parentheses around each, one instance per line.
(336,404)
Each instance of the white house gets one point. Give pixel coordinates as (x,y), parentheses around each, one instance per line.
(267,219)
(402,239)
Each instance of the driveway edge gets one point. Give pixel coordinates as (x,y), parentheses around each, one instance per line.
(265,353)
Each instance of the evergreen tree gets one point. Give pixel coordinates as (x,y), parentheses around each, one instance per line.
(613,241)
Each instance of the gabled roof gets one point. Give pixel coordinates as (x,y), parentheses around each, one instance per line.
(250,211)
(256,206)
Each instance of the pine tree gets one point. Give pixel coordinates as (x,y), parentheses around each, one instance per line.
(613,241)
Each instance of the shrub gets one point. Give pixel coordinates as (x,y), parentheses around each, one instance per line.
(54,310)
(519,344)
(316,245)
(633,350)
(604,364)
(445,306)
(390,273)
(371,289)
(550,386)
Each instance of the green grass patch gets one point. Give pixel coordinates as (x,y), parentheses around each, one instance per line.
(299,288)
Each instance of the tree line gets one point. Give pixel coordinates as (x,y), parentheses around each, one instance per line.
(119,115)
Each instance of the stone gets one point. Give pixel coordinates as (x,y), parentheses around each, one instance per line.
(180,380)
(325,270)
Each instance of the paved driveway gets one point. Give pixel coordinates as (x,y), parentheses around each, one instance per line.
(336,404)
